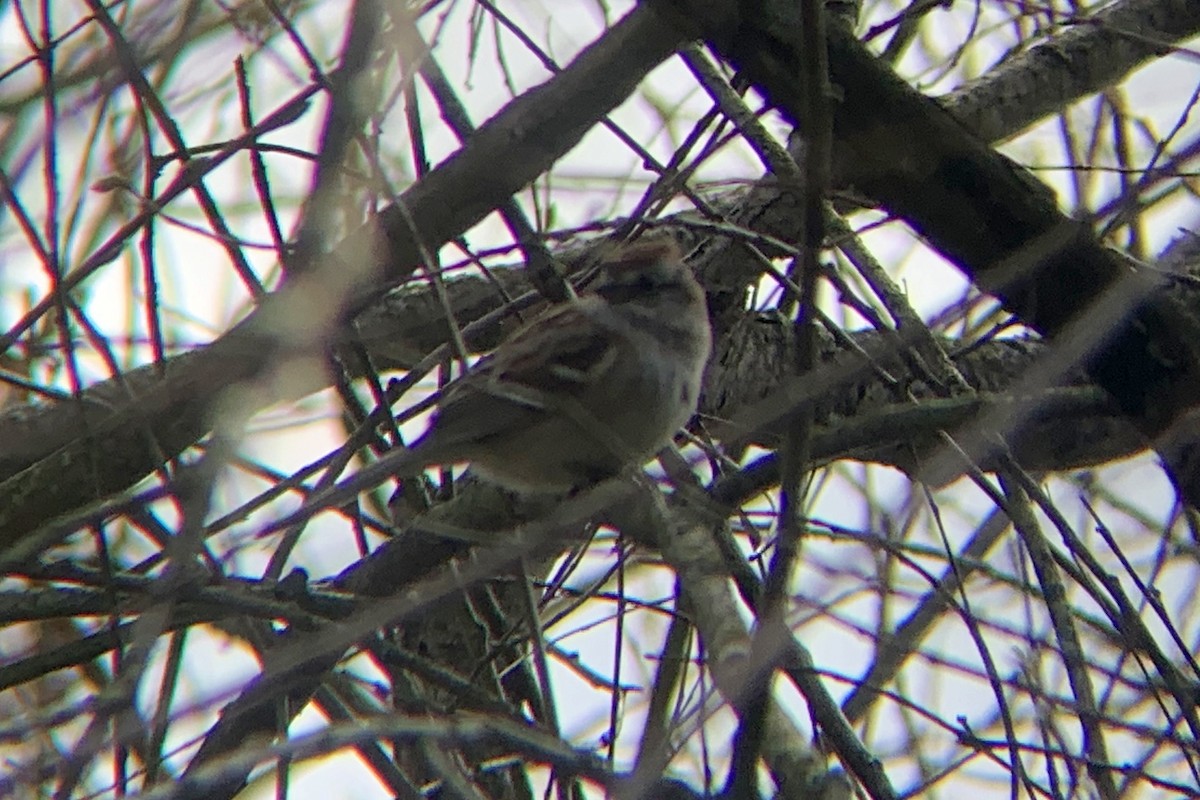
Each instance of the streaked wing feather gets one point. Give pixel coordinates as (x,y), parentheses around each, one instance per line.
(556,355)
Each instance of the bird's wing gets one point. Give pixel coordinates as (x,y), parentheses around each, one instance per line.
(557,355)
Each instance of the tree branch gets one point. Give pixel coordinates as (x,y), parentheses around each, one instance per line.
(999,225)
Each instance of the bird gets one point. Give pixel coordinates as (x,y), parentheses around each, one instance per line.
(590,387)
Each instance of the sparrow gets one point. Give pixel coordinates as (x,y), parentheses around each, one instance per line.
(592,386)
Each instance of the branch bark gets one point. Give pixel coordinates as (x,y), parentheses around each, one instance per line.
(993,220)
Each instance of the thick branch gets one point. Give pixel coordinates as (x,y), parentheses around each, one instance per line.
(870,404)
(1097,52)
(1000,226)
